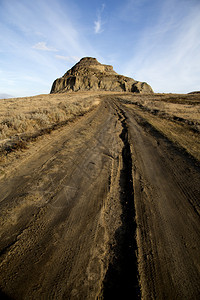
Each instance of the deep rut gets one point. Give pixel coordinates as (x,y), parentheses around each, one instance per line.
(121,279)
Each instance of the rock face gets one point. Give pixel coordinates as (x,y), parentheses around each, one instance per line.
(89,74)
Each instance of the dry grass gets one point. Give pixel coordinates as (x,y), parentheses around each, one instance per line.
(31,116)
(176,116)
(170,105)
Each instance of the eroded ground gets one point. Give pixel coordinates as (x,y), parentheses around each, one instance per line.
(107,206)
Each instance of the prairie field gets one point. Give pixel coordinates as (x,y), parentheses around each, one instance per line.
(24,118)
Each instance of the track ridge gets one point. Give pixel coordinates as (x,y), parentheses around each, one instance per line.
(122,277)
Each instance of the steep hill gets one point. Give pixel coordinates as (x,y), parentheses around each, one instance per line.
(89,74)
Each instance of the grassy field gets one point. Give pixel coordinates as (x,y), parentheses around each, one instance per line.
(28,117)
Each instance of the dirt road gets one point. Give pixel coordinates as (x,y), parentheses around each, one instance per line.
(107,207)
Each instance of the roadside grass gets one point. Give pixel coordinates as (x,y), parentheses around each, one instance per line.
(22,119)
(186,106)
(176,116)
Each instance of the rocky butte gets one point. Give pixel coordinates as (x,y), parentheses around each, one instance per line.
(89,74)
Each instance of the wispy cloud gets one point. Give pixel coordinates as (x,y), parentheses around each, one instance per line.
(97,26)
(42,46)
(39,30)
(167,54)
(98,23)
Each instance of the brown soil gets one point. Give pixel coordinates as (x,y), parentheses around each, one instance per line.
(106,206)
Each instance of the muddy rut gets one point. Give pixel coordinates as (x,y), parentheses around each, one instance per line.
(107,208)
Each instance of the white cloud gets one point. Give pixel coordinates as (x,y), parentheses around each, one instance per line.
(39,29)
(98,23)
(42,46)
(97,26)
(70,59)
(167,55)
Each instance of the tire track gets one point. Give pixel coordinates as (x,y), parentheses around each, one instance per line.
(166,189)
(121,279)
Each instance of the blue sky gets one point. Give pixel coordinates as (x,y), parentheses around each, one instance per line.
(157,41)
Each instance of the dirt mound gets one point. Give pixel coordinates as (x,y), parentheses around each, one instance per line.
(89,74)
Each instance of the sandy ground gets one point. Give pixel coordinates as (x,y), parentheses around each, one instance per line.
(106,206)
